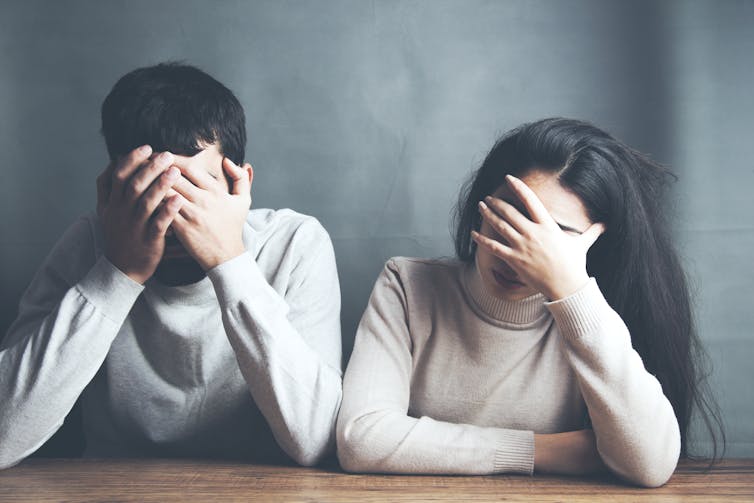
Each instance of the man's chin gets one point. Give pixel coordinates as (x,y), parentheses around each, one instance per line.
(175,252)
(179,269)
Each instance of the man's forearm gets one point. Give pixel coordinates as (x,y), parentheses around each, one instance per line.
(49,359)
(297,391)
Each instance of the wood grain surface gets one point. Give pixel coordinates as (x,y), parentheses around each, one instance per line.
(46,480)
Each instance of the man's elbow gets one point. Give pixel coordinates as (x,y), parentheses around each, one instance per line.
(307,458)
(310,448)
(9,459)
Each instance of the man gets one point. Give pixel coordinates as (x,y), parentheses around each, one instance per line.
(187,324)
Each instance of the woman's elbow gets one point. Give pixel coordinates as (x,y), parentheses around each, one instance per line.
(355,448)
(655,476)
(350,462)
(653,469)
(658,468)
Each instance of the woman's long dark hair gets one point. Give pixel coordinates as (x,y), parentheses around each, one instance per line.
(634,261)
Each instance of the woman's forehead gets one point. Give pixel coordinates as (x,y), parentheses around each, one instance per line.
(562,204)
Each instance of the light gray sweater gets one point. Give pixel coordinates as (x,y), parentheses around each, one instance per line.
(445,378)
(215,368)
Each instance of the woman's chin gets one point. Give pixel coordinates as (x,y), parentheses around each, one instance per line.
(509,289)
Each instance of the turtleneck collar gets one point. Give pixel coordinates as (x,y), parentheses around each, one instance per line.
(521,313)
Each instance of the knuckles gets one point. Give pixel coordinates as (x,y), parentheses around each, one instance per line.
(133,189)
(144,205)
(119,176)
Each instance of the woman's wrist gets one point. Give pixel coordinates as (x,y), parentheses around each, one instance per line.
(570,453)
(565,286)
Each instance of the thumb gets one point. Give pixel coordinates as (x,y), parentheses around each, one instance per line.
(590,236)
(240,177)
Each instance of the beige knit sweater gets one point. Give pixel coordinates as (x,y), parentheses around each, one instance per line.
(445,378)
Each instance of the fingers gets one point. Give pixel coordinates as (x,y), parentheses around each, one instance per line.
(509,213)
(187,189)
(144,177)
(158,192)
(500,226)
(533,205)
(240,176)
(181,223)
(199,177)
(127,165)
(165,216)
(495,247)
(590,236)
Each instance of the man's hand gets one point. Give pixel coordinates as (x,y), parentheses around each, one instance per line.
(104,187)
(210,221)
(133,217)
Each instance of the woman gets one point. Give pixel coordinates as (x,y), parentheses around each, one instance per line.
(560,341)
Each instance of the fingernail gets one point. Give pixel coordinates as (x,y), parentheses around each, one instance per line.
(173,173)
(482,205)
(144,149)
(166,157)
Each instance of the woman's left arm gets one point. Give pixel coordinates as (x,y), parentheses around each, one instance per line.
(637,433)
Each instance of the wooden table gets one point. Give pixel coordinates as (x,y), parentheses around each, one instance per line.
(41,480)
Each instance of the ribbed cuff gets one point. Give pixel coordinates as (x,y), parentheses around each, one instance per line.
(110,290)
(515,452)
(240,278)
(580,313)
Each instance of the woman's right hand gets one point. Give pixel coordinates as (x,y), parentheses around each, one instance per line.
(567,453)
(544,256)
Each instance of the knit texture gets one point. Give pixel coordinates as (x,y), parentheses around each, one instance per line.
(243,364)
(445,378)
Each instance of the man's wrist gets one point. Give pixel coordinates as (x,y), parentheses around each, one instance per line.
(222,256)
(134,275)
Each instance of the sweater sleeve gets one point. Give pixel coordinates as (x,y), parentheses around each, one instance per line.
(375,431)
(637,432)
(68,318)
(288,347)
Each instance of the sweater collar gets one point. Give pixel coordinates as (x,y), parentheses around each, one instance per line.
(515,312)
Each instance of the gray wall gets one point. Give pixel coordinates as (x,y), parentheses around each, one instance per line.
(369,115)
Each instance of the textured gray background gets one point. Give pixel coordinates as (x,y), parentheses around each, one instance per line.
(369,115)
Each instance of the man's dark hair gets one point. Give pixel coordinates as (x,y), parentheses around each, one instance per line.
(173,107)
